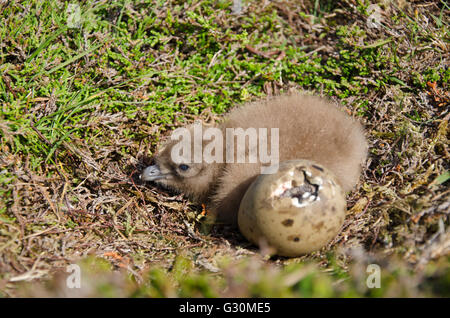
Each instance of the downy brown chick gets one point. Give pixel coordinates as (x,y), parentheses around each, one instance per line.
(308,128)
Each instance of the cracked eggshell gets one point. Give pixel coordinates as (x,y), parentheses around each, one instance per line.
(296,210)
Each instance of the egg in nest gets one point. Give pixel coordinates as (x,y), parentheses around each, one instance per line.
(296,210)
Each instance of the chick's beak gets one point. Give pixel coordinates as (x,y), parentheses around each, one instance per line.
(152,173)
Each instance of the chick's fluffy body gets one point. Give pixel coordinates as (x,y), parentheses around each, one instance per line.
(309,128)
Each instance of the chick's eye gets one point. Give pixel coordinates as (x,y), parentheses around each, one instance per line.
(183,167)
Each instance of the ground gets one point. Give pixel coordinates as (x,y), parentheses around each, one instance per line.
(88,90)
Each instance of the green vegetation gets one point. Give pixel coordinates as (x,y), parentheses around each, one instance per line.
(88,90)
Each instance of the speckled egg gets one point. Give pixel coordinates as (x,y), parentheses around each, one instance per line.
(297,209)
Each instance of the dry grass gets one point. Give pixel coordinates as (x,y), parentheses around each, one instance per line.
(69,189)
